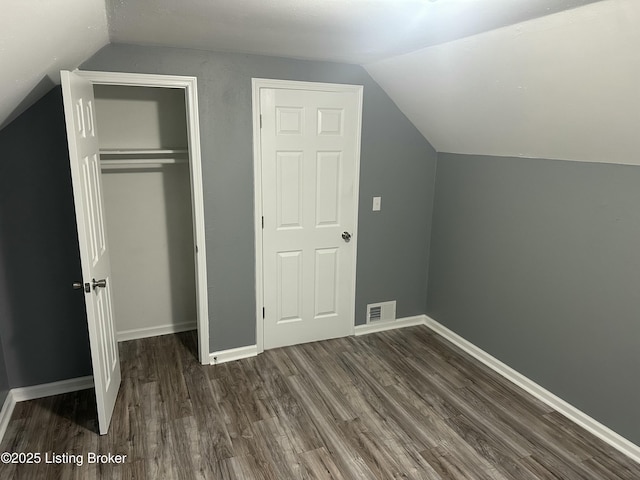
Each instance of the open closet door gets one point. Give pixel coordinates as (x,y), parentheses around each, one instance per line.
(79,106)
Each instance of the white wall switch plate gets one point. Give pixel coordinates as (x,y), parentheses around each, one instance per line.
(376,203)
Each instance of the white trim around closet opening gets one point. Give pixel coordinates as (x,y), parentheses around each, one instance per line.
(190,87)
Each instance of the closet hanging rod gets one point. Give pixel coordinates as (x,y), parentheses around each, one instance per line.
(140,163)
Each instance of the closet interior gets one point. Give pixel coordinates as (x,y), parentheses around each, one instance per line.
(147,193)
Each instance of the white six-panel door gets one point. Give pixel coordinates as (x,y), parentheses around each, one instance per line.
(79,109)
(309,157)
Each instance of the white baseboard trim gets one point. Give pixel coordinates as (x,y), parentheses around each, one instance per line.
(136,333)
(22,394)
(6,412)
(54,388)
(569,411)
(572,413)
(223,356)
(383,326)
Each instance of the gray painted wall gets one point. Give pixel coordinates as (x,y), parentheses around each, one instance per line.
(396,163)
(538,263)
(4,377)
(42,320)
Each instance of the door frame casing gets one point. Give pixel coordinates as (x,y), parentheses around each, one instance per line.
(189,85)
(256,85)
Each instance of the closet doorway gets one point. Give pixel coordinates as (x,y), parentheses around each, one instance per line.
(147,200)
(136,167)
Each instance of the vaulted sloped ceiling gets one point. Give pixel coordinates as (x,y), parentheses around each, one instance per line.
(350,31)
(37,40)
(563,86)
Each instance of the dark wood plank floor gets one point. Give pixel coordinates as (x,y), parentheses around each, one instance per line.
(399,404)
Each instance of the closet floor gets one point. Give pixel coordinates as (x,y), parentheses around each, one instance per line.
(398,404)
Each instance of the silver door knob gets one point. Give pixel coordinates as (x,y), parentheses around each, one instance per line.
(346,236)
(81,286)
(99,283)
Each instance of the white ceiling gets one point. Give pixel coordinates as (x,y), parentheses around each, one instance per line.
(565,86)
(38,38)
(351,31)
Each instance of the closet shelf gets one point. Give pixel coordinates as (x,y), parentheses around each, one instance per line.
(143,151)
(141,158)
